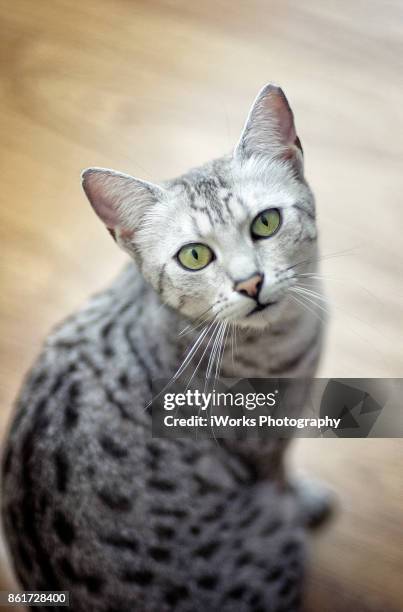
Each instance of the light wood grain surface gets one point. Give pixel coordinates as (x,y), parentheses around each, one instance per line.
(154,87)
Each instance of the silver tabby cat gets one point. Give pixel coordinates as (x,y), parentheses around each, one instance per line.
(92,504)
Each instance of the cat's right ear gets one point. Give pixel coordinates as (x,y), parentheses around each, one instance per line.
(119,200)
(269,130)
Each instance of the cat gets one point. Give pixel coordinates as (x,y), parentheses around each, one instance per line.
(92,504)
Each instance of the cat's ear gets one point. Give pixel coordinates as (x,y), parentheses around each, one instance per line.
(269,129)
(119,200)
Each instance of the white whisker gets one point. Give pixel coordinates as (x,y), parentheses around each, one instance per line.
(323,257)
(308,308)
(308,297)
(313,294)
(195,324)
(213,351)
(204,352)
(221,351)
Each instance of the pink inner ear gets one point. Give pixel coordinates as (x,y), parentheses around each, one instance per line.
(119,199)
(288,154)
(127,234)
(270,125)
(105,211)
(277,105)
(99,191)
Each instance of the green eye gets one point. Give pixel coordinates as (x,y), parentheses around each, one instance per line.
(195,256)
(266,223)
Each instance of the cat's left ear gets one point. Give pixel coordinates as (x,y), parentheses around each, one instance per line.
(119,200)
(269,129)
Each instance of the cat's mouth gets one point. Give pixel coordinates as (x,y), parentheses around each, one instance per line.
(259,307)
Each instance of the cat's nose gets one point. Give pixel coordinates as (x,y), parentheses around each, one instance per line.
(250,286)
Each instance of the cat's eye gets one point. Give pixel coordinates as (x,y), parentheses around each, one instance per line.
(266,223)
(195,256)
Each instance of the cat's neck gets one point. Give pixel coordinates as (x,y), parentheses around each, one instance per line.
(279,349)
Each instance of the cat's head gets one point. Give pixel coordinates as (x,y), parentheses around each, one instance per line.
(220,241)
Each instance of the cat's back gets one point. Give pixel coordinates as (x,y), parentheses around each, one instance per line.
(76,450)
(99,355)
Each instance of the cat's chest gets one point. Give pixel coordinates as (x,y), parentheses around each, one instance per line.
(252,359)
(291,353)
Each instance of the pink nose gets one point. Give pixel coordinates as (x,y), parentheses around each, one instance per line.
(251,286)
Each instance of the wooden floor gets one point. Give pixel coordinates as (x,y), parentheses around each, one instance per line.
(151,87)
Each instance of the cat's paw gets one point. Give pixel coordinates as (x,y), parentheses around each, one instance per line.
(316,503)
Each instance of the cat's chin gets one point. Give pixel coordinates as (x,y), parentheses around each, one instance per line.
(261,318)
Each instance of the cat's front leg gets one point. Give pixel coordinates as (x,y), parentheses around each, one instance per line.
(316,502)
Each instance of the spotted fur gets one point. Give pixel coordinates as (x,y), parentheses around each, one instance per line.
(92,504)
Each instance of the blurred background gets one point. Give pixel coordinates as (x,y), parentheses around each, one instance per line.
(153,87)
